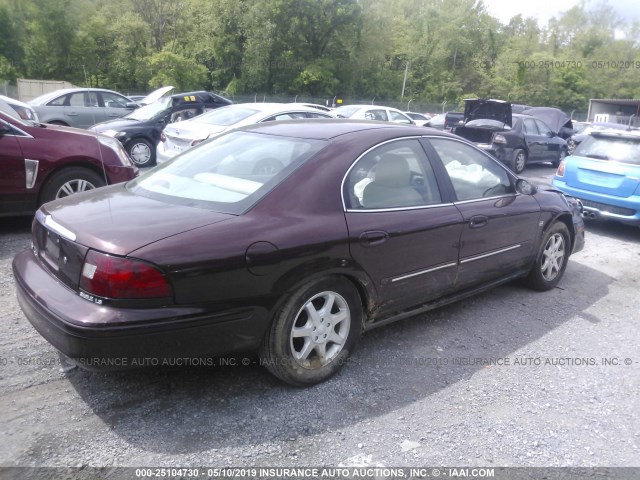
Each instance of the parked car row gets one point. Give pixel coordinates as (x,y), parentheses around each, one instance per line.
(514,139)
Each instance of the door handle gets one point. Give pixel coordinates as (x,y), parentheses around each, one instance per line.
(478,221)
(372,239)
(72,113)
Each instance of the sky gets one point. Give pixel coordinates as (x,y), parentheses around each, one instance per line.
(543,10)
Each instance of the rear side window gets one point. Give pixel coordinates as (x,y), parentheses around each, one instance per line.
(394,175)
(530,126)
(380,115)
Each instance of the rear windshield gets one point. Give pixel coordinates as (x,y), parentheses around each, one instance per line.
(228,174)
(615,149)
(345,112)
(226,115)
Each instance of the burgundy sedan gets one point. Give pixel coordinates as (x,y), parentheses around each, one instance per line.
(40,163)
(288,239)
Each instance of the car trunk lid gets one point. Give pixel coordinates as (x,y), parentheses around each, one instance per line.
(602,176)
(479,108)
(112,222)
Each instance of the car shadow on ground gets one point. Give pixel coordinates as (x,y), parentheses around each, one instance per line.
(610,229)
(15,235)
(190,410)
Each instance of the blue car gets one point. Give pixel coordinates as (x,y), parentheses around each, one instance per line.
(604,174)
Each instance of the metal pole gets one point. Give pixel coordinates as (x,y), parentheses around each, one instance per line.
(404,82)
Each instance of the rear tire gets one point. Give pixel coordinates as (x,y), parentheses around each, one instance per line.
(552,258)
(561,156)
(314,332)
(69,182)
(518,160)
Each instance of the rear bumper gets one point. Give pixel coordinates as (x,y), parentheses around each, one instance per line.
(104,338)
(162,155)
(599,205)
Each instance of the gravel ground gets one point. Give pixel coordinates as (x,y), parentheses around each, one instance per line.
(507,378)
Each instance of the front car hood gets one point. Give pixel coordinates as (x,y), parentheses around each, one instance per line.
(115,220)
(116,124)
(480,108)
(553,117)
(156,95)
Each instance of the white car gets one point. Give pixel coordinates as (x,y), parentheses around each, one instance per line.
(372,112)
(180,136)
(418,118)
(18,109)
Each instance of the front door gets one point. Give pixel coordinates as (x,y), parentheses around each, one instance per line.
(499,225)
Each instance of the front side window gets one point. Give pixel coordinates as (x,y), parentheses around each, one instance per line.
(228,174)
(111,100)
(473,174)
(543,129)
(393,175)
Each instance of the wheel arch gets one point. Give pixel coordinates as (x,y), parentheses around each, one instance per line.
(292,281)
(565,218)
(76,163)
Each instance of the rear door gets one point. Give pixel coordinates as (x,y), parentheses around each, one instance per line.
(533,139)
(402,231)
(549,142)
(82,109)
(499,226)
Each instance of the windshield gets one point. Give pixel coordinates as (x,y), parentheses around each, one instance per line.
(615,149)
(226,115)
(149,111)
(345,112)
(228,174)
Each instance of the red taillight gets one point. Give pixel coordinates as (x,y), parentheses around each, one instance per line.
(560,171)
(498,138)
(163,137)
(118,277)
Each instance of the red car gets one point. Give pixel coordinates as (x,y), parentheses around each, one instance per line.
(286,238)
(40,163)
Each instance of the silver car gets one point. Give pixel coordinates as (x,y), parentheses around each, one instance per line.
(372,112)
(81,107)
(180,136)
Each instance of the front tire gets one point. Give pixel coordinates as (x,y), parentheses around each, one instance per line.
(314,332)
(518,160)
(552,258)
(69,182)
(141,152)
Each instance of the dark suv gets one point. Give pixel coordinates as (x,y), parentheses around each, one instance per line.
(140,131)
(42,162)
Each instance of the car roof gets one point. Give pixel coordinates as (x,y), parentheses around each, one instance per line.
(612,133)
(45,97)
(276,107)
(201,95)
(326,129)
